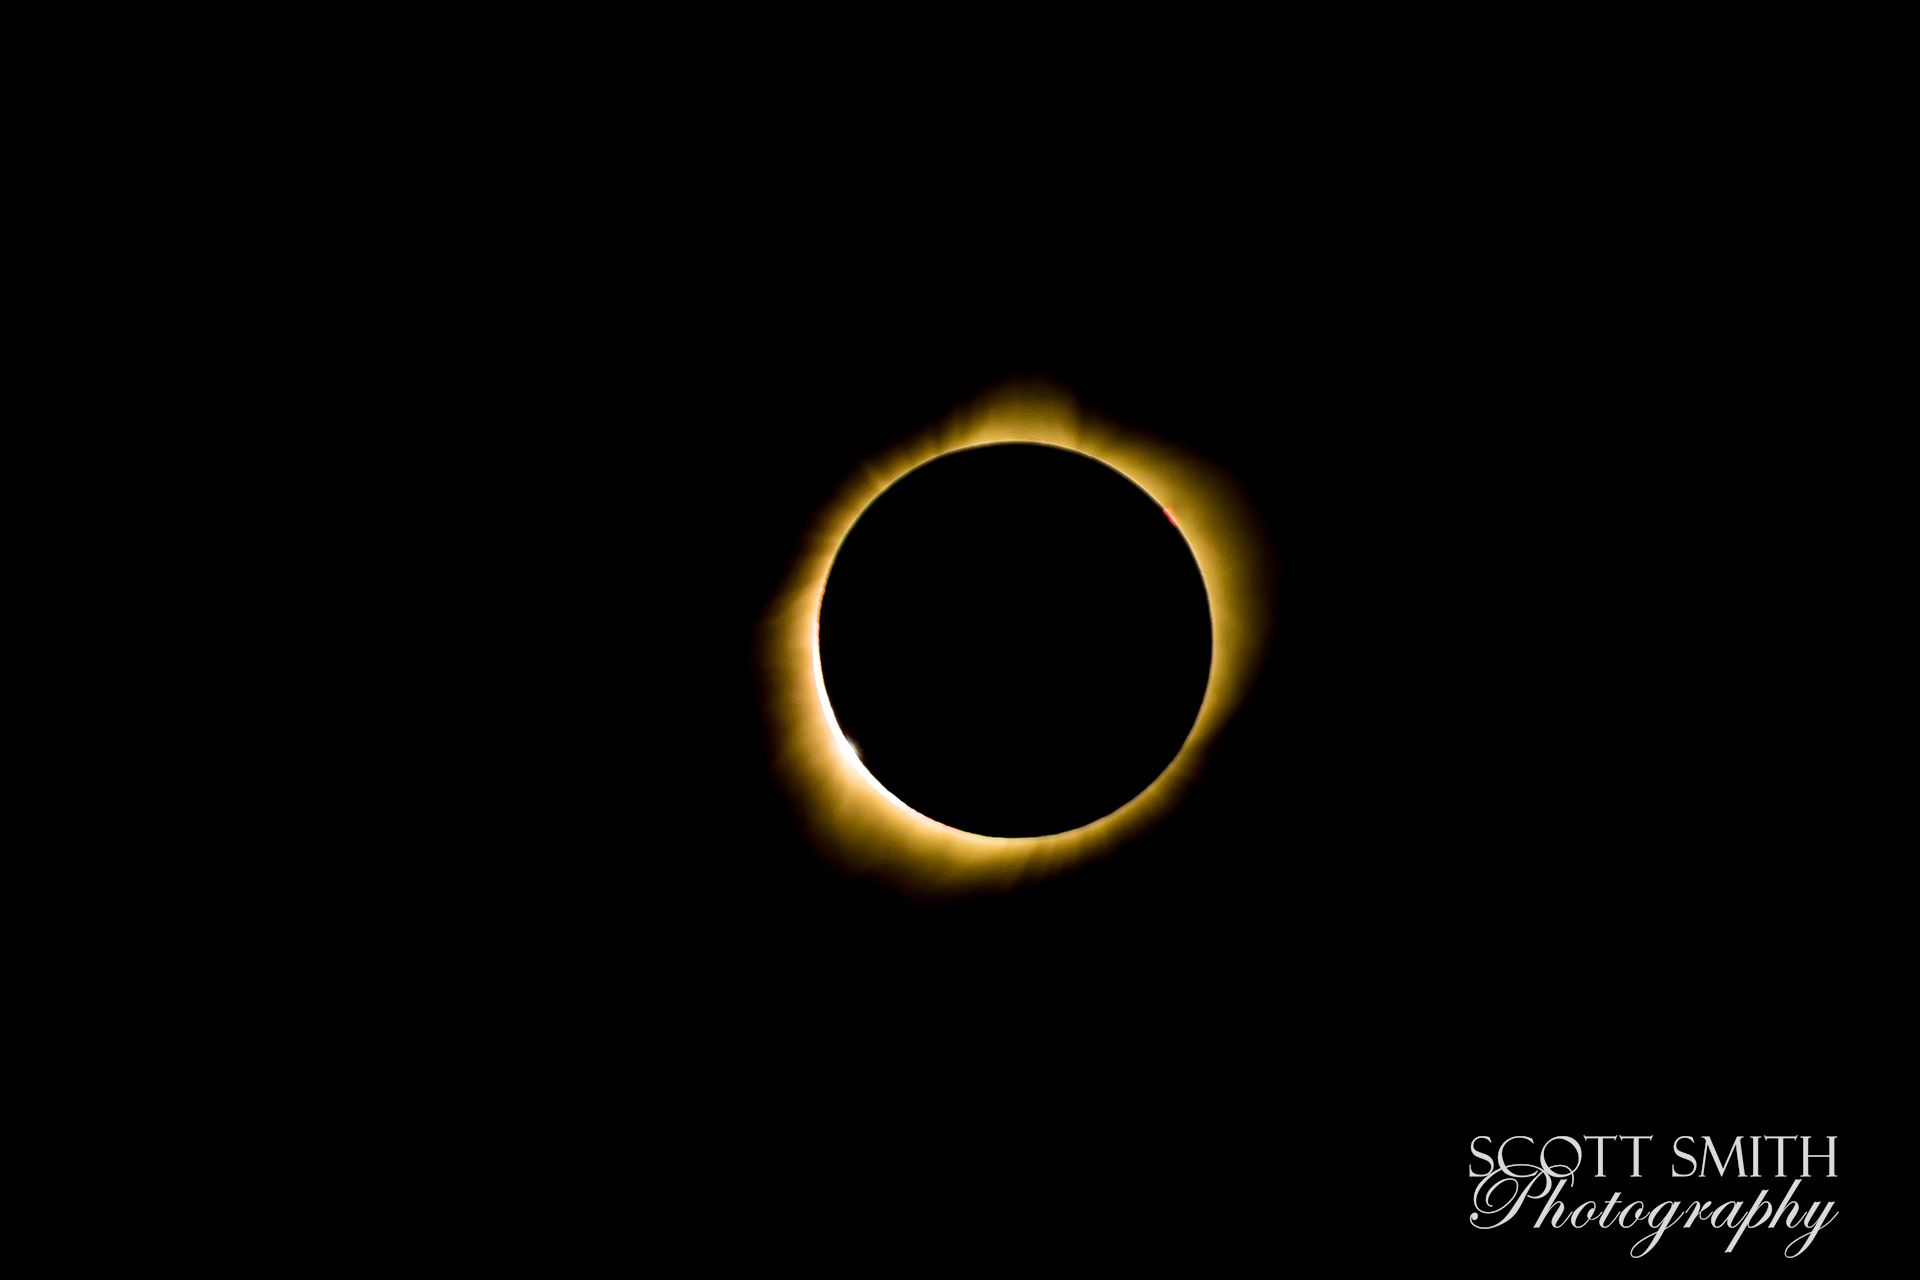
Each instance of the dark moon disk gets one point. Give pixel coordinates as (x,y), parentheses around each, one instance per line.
(1016,639)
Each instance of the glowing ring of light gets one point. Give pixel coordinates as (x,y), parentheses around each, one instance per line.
(860,824)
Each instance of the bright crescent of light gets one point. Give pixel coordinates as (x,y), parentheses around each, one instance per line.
(866,829)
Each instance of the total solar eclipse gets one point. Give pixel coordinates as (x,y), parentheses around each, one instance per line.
(1015,639)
